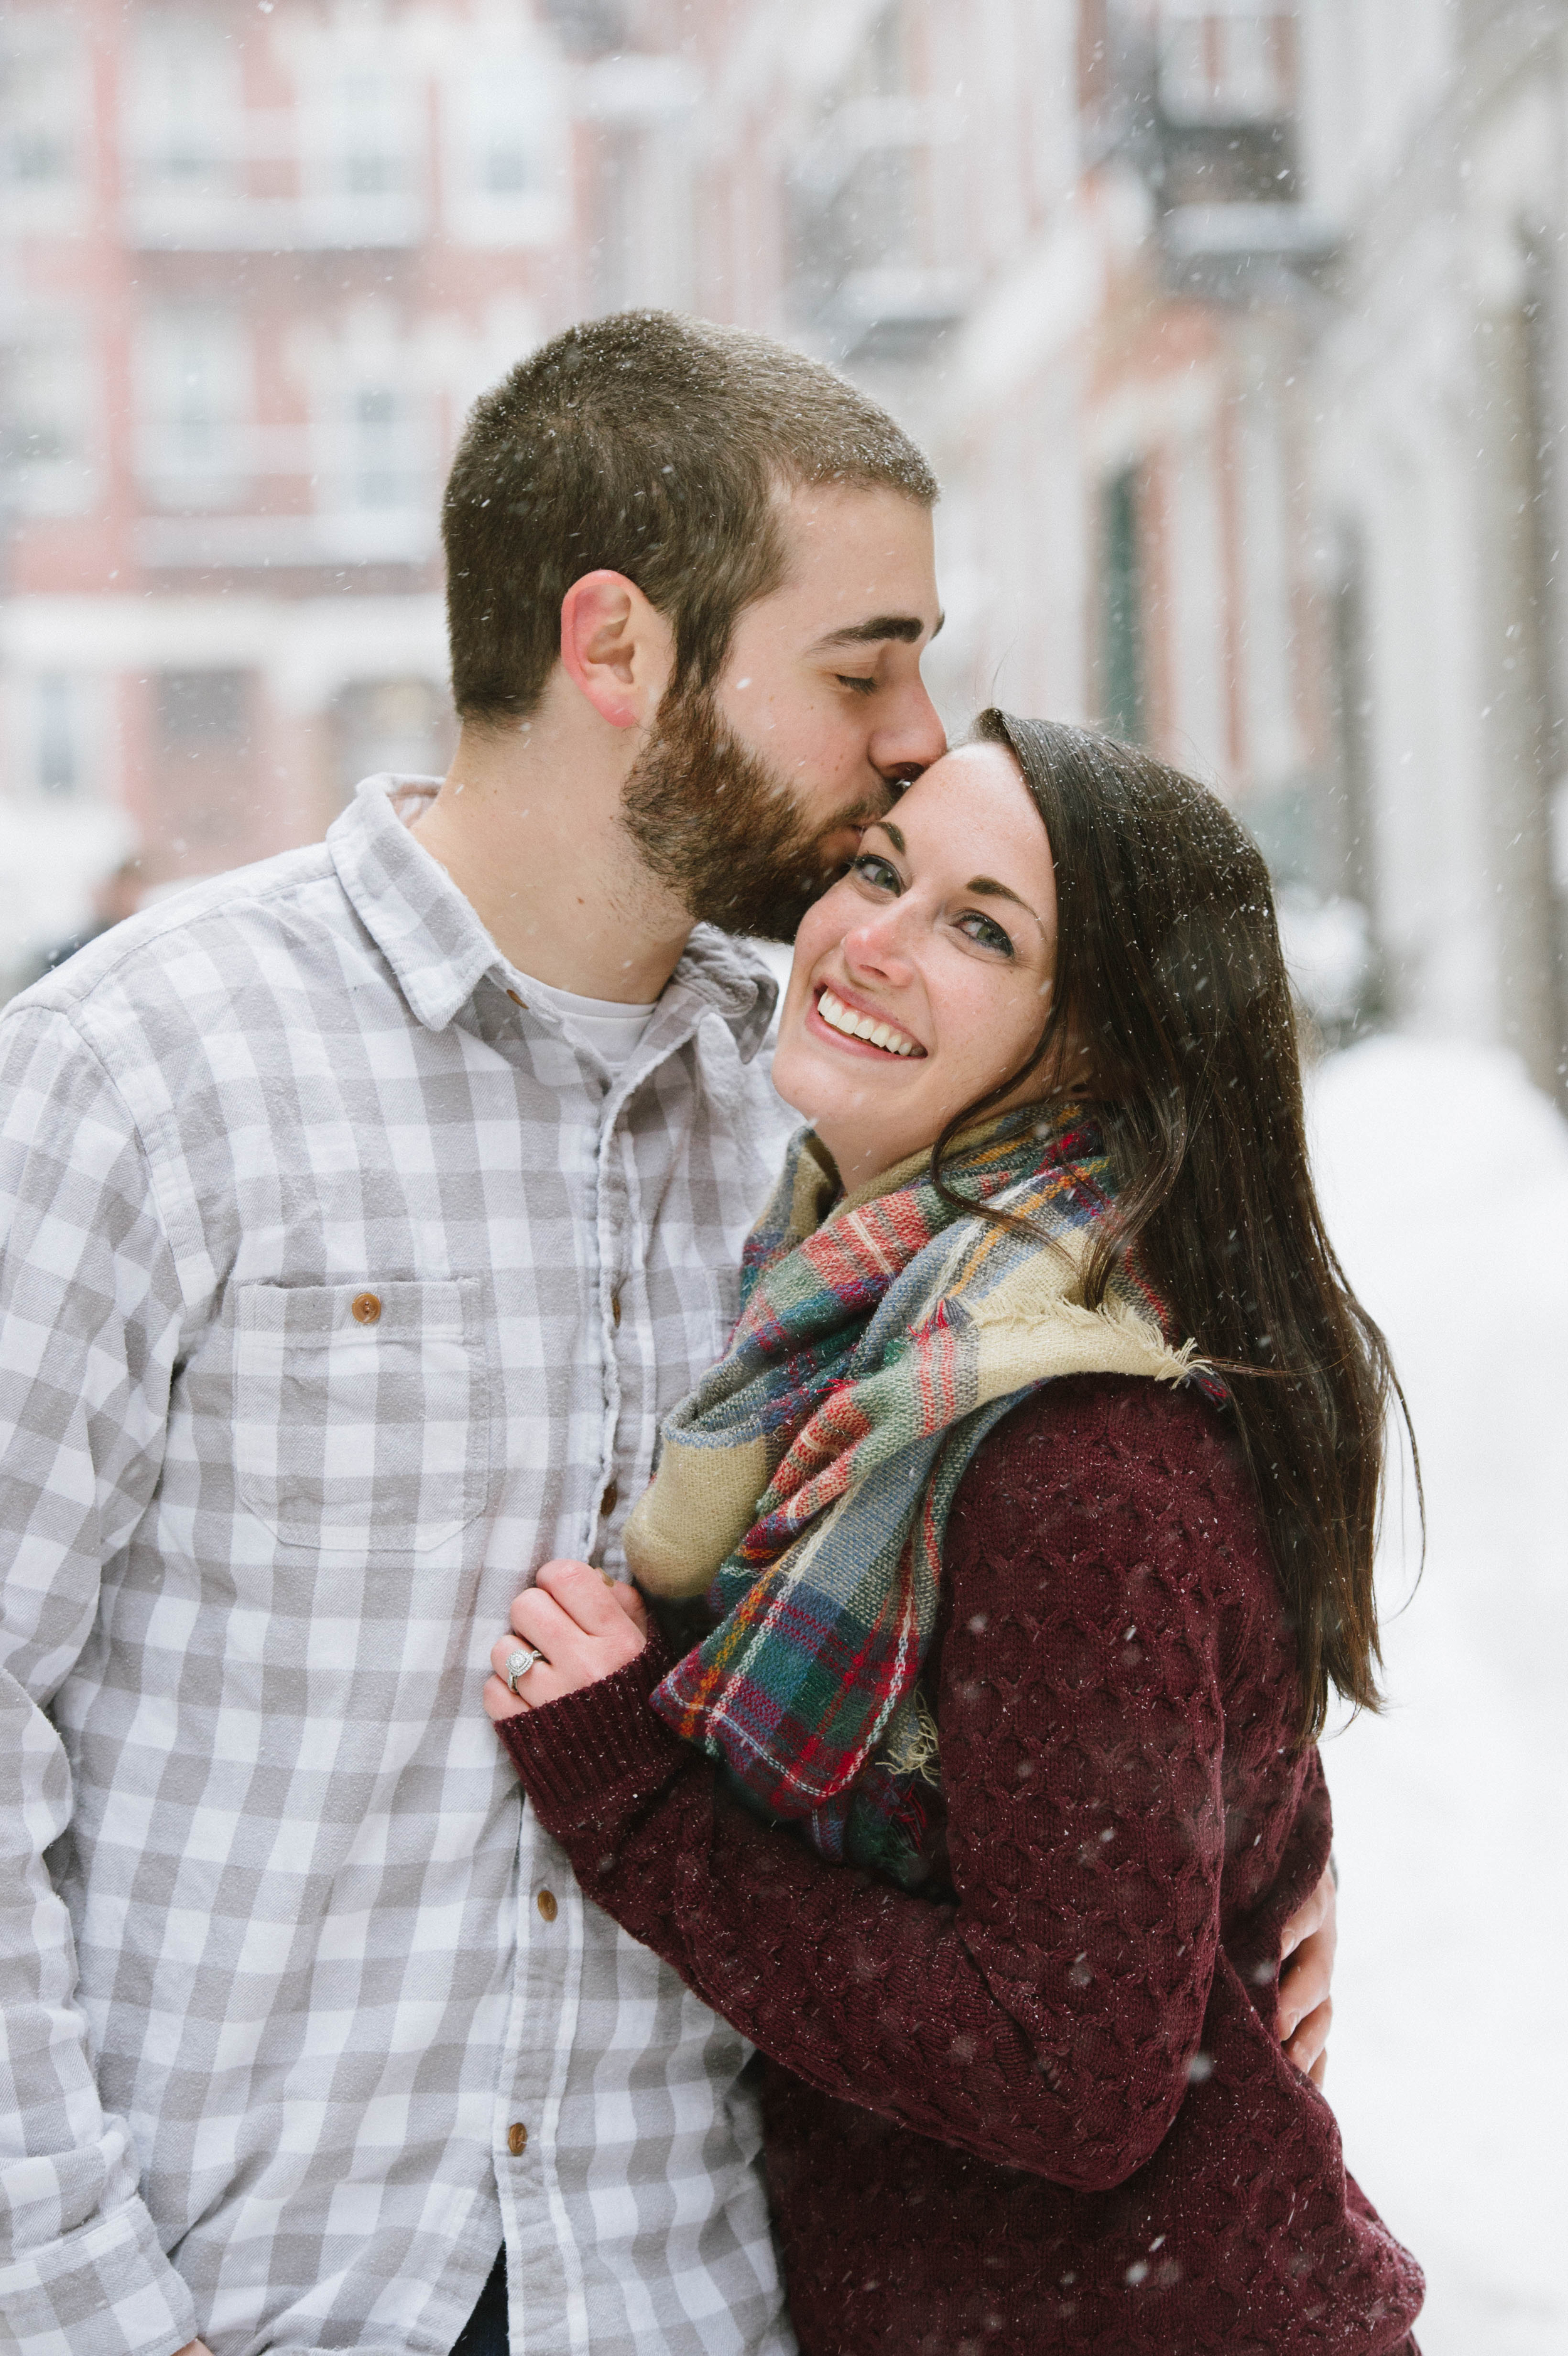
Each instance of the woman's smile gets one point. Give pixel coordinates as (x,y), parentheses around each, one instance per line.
(922,980)
(847,1022)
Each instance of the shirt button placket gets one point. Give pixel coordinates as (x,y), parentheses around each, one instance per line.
(615,1205)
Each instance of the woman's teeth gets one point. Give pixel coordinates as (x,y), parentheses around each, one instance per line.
(840,1017)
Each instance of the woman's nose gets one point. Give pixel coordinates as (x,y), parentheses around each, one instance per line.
(877,947)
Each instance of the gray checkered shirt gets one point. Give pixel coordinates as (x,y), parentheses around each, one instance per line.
(338,1292)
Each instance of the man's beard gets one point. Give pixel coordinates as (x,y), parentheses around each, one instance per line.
(721,829)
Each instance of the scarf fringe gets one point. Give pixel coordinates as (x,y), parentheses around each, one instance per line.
(917,1748)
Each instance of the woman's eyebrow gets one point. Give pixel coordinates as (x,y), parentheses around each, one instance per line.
(986,887)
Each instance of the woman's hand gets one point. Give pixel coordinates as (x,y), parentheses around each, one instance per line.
(1305,2006)
(585,1625)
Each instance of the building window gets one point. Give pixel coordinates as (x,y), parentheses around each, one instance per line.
(504,117)
(505,133)
(371,136)
(185,124)
(1221,64)
(60,750)
(42,106)
(204,730)
(397,726)
(1227,95)
(194,408)
(201,710)
(380,453)
(1120,608)
(379,474)
(877,263)
(56,732)
(48,432)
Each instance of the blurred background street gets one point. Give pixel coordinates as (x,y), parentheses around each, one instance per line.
(1238,334)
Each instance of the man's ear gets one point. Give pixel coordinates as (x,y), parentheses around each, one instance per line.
(615,648)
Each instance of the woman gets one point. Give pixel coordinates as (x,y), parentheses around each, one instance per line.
(1034,1501)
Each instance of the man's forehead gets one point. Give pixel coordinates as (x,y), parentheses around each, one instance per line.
(858,568)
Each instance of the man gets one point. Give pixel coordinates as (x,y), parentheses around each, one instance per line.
(360,1215)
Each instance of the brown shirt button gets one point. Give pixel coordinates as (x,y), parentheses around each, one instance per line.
(614,1309)
(546,1902)
(517,1001)
(607,1502)
(516,2138)
(365,1308)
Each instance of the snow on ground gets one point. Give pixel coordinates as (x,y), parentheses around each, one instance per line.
(1444,1178)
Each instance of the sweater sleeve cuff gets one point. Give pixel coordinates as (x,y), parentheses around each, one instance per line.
(598,1745)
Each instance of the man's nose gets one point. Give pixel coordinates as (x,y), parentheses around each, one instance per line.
(912,735)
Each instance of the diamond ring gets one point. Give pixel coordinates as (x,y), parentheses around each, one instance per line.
(519,1662)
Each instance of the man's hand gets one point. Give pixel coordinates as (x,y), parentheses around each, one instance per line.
(584,1624)
(1306,2006)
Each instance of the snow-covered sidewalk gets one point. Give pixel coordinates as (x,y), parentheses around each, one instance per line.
(1445,1182)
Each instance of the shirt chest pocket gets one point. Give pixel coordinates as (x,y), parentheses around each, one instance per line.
(363,1415)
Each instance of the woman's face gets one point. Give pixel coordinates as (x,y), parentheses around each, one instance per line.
(941,944)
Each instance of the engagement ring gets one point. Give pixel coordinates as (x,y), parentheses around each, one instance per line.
(519,1662)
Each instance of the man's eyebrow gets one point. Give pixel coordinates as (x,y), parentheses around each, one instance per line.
(905,627)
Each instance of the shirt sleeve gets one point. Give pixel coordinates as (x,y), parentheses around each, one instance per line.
(1052,2017)
(90,1319)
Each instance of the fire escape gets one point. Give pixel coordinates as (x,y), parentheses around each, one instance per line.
(1200,96)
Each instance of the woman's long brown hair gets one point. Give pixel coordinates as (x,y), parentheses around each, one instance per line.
(1172,1009)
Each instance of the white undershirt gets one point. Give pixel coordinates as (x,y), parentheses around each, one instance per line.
(612,1029)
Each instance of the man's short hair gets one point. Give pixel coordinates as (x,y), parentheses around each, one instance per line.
(650,445)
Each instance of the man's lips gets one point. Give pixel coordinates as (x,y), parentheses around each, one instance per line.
(845,1008)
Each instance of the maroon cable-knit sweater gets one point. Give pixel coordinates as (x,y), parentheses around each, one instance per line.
(1045,2109)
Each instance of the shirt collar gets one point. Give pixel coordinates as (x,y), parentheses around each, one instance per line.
(439,952)
(718,971)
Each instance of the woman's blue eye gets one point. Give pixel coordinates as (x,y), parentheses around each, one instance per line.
(989,934)
(878,873)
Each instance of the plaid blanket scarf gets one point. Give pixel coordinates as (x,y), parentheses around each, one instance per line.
(806,1483)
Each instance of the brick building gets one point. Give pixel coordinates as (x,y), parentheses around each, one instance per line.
(1231,325)
(1235,329)
(258,262)
(1437,138)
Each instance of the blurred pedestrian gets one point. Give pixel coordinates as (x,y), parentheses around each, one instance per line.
(115,896)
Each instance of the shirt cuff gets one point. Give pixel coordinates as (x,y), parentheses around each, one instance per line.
(106,2289)
(600,1744)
